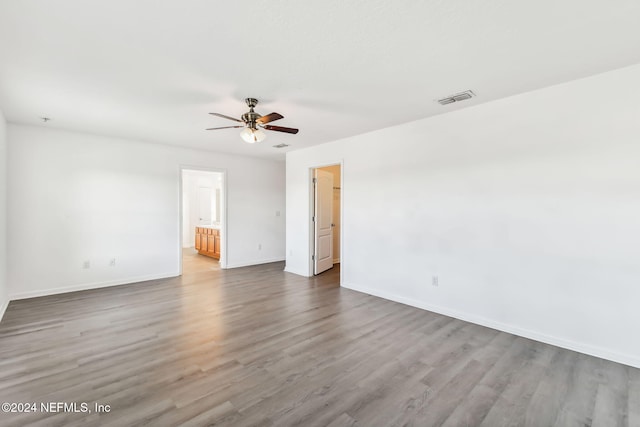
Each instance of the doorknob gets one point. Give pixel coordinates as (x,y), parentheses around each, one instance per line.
(333,225)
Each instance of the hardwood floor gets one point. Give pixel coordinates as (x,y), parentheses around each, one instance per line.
(258,346)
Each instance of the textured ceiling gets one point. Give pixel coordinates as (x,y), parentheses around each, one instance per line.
(152,70)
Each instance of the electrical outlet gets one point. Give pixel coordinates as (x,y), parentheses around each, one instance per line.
(434,281)
(259,246)
(112,263)
(277,213)
(86,264)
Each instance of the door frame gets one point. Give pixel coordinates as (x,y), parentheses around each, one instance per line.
(312,231)
(223,211)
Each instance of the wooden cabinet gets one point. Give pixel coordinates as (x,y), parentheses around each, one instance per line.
(198,246)
(208,242)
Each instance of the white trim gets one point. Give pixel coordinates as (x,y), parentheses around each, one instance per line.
(88,286)
(255,262)
(298,272)
(3,309)
(600,352)
(311,224)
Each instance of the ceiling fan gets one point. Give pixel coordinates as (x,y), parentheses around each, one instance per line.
(253,123)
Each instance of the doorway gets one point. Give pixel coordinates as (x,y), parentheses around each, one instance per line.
(202,219)
(326,221)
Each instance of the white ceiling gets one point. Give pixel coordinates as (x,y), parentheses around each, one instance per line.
(152,70)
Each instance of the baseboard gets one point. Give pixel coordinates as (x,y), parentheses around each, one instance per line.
(256,262)
(88,286)
(294,271)
(3,308)
(483,321)
(336,260)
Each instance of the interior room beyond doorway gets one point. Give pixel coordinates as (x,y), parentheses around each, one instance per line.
(327,222)
(202,218)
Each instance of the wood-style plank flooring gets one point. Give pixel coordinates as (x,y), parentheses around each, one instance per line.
(256,346)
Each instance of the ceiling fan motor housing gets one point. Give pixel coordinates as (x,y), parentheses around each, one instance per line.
(251,116)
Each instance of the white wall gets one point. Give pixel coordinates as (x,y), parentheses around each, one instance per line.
(75,197)
(4,293)
(527,209)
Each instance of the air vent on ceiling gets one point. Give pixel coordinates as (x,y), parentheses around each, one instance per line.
(467,94)
(280,145)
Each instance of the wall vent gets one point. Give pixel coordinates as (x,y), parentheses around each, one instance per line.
(280,145)
(462,96)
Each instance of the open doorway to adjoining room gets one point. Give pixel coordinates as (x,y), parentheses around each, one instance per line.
(326,220)
(203,219)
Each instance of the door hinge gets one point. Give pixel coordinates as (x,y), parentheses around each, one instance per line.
(315,180)
(313,219)
(313,257)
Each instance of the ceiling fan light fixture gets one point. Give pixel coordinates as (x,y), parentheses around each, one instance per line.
(252,135)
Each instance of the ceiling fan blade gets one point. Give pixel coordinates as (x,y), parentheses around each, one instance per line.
(269,118)
(226,117)
(225,127)
(281,129)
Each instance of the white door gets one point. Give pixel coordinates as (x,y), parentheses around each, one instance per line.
(204,205)
(323,213)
